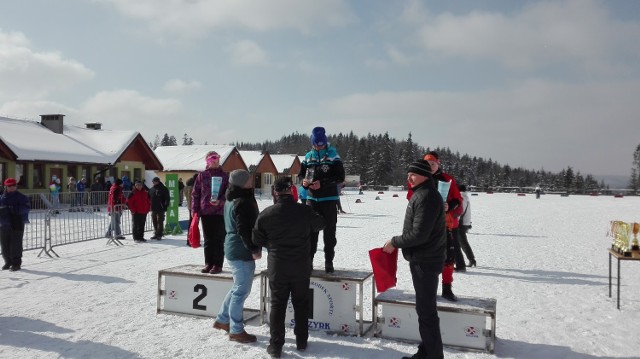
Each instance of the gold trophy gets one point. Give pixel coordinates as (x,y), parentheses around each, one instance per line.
(625,244)
(614,231)
(635,230)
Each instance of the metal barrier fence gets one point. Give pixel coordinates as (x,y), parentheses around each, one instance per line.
(68,200)
(72,219)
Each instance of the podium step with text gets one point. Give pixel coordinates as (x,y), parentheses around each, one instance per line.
(468,324)
(336,302)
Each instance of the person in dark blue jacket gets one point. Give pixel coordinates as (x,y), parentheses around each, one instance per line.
(14,213)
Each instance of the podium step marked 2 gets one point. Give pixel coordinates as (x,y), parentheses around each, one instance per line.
(187,291)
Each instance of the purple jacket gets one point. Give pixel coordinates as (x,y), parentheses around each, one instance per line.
(201,195)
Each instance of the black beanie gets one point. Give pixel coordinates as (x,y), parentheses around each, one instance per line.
(420,167)
(282,184)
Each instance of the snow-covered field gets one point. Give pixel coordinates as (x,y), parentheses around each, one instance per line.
(545,261)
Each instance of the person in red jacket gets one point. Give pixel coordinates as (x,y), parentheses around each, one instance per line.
(139,205)
(453,210)
(115,205)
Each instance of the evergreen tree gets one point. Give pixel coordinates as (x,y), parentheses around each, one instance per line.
(569,179)
(168,140)
(186,140)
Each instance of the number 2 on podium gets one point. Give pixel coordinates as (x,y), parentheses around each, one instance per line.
(203,293)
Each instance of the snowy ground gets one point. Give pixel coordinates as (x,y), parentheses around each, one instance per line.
(545,262)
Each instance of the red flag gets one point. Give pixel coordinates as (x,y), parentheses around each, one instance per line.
(385,266)
(194,232)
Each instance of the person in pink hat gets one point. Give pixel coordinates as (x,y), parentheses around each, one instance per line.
(208,200)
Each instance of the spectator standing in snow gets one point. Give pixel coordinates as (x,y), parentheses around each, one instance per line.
(339,204)
(126,183)
(160,199)
(96,188)
(115,206)
(321,171)
(180,191)
(210,208)
(55,188)
(465,225)
(139,205)
(240,213)
(423,243)
(72,187)
(14,213)
(284,228)
(81,187)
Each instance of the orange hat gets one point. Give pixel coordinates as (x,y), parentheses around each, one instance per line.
(10,182)
(430,157)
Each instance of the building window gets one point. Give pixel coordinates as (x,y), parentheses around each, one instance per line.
(21,175)
(3,171)
(268,178)
(113,172)
(86,171)
(72,171)
(38,175)
(137,174)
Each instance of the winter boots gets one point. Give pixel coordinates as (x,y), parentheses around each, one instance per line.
(328,267)
(447,293)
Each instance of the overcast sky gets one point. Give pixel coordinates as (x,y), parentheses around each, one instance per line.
(533,84)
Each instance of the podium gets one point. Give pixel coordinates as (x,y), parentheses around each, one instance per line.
(184,290)
(468,324)
(336,302)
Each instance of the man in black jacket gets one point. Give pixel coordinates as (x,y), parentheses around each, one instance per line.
(284,229)
(160,199)
(423,242)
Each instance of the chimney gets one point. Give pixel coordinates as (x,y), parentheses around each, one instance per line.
(53,122)
(94,125)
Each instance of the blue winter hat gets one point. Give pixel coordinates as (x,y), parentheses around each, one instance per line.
(318,137)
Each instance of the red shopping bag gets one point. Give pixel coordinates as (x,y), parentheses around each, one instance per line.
(385,266)
(194,232)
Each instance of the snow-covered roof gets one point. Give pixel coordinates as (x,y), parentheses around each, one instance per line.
(251,158)
(189,158)
(31,141)
(283,162)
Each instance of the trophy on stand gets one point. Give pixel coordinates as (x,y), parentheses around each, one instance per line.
(625,244)
(613,234)
(635,230)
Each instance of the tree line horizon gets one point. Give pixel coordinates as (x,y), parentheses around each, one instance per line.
(393,156)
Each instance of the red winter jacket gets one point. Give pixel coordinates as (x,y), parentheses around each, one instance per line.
(116,201)
(139,202)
